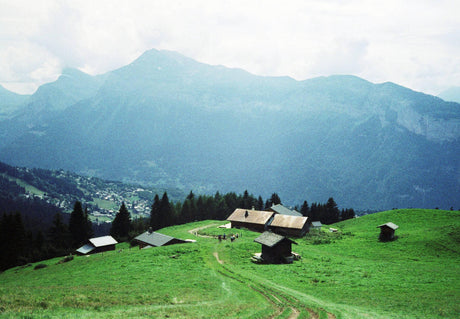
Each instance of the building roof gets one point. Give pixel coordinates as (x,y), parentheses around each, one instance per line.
(103,241)
(287,221)
(389,225)
(280,209)
(316,224)
(154,239)
(271,239)
(250,216)
(85,249)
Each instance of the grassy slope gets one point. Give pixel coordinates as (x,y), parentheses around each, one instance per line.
(349,274)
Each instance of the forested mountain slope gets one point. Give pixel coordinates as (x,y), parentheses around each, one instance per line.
(169,121)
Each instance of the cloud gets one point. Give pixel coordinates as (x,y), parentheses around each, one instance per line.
(413,43)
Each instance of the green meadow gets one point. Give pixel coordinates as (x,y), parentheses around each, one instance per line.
(346,274)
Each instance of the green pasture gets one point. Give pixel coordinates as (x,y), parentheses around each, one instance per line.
(347,274)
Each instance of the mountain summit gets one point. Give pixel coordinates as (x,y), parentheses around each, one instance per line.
(170,121)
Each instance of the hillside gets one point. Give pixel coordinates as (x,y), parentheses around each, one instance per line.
(348,274)
(60,189)
(168,121)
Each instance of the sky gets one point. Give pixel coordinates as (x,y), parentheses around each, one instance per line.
(412,43)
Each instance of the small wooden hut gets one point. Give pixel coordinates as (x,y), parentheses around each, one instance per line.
(276,249)
(153,239)
(387,231)
(97,245)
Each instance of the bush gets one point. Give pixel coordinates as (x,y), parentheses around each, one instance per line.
(65,259)
(39,266)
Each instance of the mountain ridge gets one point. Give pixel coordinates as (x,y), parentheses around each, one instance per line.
(165,119)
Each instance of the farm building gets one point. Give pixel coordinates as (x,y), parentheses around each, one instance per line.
(153,239)
(255,220)
(289,225)
(275,248)
(97,245)
(280,209)
(387,231)
(316,225)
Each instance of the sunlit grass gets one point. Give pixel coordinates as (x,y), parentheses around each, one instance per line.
(349,273)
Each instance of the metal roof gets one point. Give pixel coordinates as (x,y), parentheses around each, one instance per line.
(250,216)
(316,224)
(85,249)
(390,225)
(154,239)
(287,221)
(280,209)
(271,239)
(103,241)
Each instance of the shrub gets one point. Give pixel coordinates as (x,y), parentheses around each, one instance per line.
(40,266)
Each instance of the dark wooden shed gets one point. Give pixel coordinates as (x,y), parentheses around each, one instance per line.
(387,231)
(276,249)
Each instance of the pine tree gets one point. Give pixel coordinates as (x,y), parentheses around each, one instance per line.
(260,203)
(332,212)
(79,225)
(166,212)
(59,234)
(305,210)
(121,225)
(155,213)
(274,200)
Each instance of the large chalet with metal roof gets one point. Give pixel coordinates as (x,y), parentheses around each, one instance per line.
(260,221)
(256,220)
(283,210)
(289,225)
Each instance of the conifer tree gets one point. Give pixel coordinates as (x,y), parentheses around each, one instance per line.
(166,212)
(79,225)
(121,225)
(305,210)
(59,235)
(155,213)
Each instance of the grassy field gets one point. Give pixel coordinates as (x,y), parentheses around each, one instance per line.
(348,274)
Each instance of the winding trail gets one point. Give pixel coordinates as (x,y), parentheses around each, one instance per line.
(280,300)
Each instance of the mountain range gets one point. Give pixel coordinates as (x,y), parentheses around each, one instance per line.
(166,120)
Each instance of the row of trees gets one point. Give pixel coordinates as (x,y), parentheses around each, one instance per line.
(328,213)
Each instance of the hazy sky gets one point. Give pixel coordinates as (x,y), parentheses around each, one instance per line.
(412,43)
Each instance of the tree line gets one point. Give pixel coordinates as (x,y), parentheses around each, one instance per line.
(19,245)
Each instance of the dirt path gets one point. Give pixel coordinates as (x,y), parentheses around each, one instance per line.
(277,300)
(216,254)
(195,231)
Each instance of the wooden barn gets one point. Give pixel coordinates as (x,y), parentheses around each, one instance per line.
(255,220)
(316,225)
(289,225)
(153,239)
(97,245)
(387,231)
(276,249)
(280,209)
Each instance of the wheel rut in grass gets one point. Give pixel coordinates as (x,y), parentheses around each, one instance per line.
(277,301)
